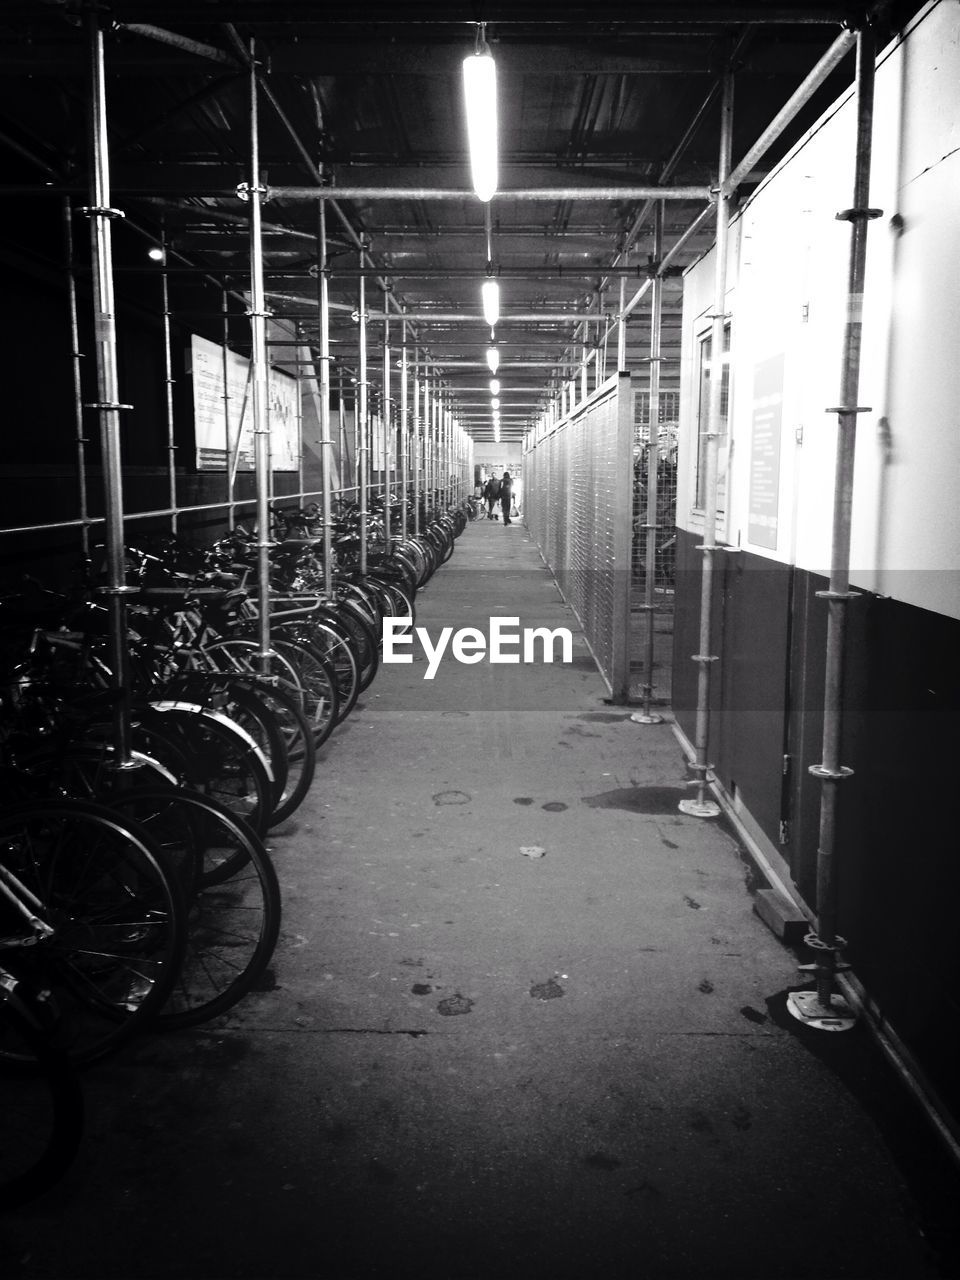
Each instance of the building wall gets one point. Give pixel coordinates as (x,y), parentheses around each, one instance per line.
(787,302)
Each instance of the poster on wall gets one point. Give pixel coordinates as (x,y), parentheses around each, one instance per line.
(765,453)
(224,429)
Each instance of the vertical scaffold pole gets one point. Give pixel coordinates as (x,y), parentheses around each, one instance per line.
(363,425)
(622,324)
(227,446)
(823,1008)
(108,404)
(387,424)
(76,355)
(326,437)
(444,451)
(428,440)
(700,806)
(404,429)
(258,378)
(651,525)
(168,380)
(416,442)
(345,468)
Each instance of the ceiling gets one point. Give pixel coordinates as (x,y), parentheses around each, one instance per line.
(594,97)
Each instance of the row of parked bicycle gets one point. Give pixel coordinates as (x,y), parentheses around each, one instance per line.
(135,887)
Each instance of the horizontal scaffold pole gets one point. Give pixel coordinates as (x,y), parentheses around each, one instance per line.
(518,193)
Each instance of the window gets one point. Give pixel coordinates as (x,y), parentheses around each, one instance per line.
(705,366)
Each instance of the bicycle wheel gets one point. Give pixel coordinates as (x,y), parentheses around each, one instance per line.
(223,761)
(367,644)
(92,916)
(334,646)
(238,699)
(318,682)
(233,917)
(241,654)
(299,745)
(41,1114)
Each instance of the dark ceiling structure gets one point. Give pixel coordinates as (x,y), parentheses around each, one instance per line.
(601,107)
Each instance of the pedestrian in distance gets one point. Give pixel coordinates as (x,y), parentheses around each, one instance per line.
(506,496)
(491,491)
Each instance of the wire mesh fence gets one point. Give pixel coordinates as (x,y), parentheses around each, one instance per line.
(577,507)
(653,546)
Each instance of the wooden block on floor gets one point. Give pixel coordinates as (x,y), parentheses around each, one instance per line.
(781,916)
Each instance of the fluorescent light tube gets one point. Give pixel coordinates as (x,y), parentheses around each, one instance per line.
(480,96)
(490,293)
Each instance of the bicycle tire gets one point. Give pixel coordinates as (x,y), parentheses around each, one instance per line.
(115,912)
(239,700)
(233,916)
(223,761)
(299,743)
(334,645)
(320,698)
(367,642)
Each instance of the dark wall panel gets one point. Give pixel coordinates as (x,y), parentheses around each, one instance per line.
(898,871)
(753,679)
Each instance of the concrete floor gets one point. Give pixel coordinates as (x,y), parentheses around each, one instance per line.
(473,1063)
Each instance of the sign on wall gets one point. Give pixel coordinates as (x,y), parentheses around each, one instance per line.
(224,429)
(765,453)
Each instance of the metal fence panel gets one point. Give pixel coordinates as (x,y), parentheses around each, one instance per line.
(577,505)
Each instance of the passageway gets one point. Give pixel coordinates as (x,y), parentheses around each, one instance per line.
(518,1023)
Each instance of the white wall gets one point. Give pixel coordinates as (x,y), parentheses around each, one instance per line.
(788,295)
(495,459)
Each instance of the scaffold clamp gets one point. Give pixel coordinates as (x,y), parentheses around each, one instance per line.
(858,215)
(100,211)
(830,775)
(246,189)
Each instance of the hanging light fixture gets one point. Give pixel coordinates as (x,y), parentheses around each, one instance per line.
(480,97)
(490,294)
(495,386)
(493,359)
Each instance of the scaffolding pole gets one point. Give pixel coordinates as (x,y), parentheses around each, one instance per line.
(387,429)
(76,356)
(651,524)
(168,381)
(823,1008)
(416,441)
(700,806)
(258,379)
(404,429)
(108,404)
(362,425)
(326,438)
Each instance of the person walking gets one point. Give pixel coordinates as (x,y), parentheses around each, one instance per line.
(506,496)
(491,491)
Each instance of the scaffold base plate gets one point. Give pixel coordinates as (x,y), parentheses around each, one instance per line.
(638,718)
(699,808)
(807,1008)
